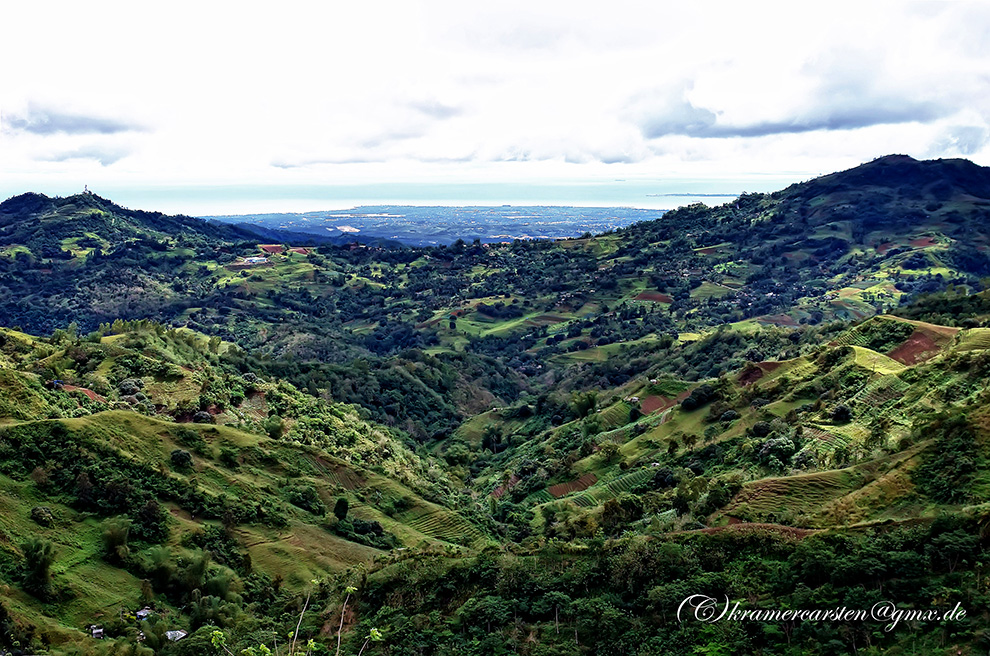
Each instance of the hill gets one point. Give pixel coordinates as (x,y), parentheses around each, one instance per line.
(537,447)
(161,475)
(196,463)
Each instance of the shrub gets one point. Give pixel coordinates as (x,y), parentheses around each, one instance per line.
(203,417)
(340,508)
(181,460)
(841,413)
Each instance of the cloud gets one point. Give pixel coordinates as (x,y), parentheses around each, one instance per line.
(388,137)
(105,156)
(299,163)
(681,117)
(960,140)
(44,122)
(436,110)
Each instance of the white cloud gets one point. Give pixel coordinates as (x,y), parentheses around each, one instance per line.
(231,93)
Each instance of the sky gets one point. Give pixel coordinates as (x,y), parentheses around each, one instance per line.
(225,107)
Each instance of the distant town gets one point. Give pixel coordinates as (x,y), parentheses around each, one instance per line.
(431,226)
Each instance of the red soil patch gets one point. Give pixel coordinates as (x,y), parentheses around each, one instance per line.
(656,403)
(918,348)
(579,485)
(753,373)
(93,396)
(922,242)
(656,297)
(706,251)
(750,375)
(653,403)
(349,479)
(502,489)
(884,247)
(301,251)
(941,334)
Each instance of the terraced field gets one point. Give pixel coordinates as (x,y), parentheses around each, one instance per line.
(626,483)
(881,391)
(770,497)
(337,475)
(443,525)
(615,416)
(585,500)
(538,497)
(578,485)
(974,339)
(826,441)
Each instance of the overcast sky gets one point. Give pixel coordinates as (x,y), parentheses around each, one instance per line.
(120,96)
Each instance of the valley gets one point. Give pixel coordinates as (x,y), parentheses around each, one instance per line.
(484,447)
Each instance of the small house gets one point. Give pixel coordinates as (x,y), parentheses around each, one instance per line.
(143,614)
(255,260)
(176,635)
(96,631)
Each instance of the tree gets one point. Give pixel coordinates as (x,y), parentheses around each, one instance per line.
(584,403)
(39,555)
(349,590)
(841,414)
(557,601)
(609,451)
(274,427)
(340,508)
(115,536)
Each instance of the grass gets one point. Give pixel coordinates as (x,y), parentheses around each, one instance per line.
(876,362)
(710,290)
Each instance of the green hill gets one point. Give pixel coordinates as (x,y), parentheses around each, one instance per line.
(535,447)
(252,484)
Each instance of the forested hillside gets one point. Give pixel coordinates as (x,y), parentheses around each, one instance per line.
(532,447)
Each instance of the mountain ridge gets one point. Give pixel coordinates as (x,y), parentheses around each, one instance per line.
(780,400)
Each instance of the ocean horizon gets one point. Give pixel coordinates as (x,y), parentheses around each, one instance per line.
(227,200)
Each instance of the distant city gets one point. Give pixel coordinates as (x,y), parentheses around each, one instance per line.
(432,226)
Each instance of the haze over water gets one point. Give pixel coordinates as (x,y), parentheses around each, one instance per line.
(246,199)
